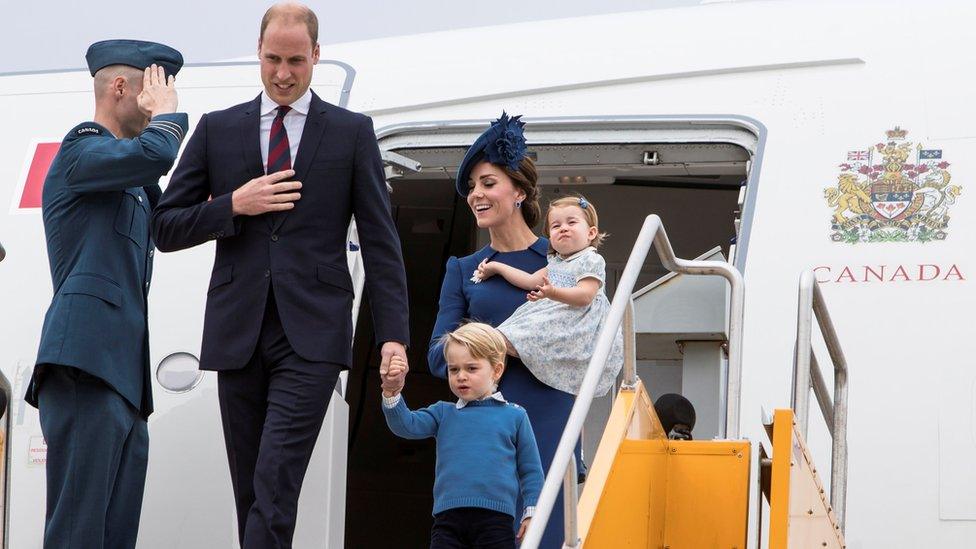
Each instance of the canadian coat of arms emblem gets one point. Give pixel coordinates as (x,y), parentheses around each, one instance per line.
(897,191)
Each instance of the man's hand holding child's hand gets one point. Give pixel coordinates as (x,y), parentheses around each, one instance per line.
(395,376)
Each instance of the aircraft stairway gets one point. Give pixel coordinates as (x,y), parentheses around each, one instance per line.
(646,490)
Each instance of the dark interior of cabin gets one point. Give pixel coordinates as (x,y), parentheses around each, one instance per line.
(390,480)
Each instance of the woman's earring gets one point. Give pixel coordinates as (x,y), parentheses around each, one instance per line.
(518,203)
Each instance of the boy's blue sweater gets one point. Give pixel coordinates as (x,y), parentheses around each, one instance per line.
(486,451)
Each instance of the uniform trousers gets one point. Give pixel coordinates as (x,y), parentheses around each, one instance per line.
(272,411)
(472,528)
(97,454)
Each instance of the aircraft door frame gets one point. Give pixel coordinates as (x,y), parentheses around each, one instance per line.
(743,131)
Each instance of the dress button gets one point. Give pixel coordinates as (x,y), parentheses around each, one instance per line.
(267,274)
(274,238)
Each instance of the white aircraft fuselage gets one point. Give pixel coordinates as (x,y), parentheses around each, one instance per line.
(851,126)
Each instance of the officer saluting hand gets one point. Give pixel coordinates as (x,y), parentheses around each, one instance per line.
(91,382)
(158,95)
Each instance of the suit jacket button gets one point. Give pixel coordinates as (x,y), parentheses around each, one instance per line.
(267,274)
(274,238)
(139,198)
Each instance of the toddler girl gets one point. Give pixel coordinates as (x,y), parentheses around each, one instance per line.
(555,332)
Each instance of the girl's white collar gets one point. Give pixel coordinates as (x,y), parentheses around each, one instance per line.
(577,254)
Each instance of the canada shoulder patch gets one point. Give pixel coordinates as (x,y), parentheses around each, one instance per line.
(88,130)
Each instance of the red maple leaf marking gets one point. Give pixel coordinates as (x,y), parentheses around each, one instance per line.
(43,155)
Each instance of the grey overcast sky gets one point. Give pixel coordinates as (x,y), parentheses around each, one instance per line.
(40,35)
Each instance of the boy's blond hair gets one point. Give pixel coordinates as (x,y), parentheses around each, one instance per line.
(589,212)
(481,340)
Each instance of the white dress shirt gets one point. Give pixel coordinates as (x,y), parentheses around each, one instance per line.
(294,123)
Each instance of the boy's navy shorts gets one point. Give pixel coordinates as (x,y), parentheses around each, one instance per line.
(472,528)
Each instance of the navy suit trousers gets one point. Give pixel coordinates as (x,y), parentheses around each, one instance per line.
(272,411)
(97,453)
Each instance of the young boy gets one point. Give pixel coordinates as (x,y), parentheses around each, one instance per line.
(486,451)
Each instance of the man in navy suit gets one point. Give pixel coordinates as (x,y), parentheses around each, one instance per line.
(275,181)
(91,382)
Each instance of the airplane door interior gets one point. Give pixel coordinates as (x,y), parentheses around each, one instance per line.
(675,170)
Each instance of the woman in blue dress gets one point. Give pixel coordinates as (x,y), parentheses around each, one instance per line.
(499,182)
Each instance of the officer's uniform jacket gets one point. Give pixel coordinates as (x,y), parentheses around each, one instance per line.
(98,195)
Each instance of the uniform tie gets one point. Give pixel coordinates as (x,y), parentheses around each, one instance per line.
(279,151)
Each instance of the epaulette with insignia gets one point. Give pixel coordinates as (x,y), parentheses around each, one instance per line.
(88,130)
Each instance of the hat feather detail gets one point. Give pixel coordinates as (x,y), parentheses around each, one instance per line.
(506,141)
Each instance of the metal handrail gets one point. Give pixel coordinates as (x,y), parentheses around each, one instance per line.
(651,233)
(570,501)
(630,348)
(5,425)
(807,375)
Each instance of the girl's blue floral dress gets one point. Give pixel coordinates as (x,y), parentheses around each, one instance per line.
(555,340)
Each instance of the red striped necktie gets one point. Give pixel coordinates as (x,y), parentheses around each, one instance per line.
(279,151)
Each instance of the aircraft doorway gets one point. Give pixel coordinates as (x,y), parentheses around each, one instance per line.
(694,186)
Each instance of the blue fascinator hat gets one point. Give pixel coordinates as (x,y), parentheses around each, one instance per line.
(502,144)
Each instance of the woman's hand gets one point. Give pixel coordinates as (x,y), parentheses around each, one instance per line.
(541,291)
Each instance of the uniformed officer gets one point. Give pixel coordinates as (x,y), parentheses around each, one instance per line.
(91,382)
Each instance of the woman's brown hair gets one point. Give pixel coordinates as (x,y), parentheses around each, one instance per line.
(525,178)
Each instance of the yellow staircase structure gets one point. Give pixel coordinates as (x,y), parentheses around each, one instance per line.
(644,490)
(799,510)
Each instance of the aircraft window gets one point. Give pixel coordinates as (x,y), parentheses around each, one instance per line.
(179,372)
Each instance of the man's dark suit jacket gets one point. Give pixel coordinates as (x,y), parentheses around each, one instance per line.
(300,253)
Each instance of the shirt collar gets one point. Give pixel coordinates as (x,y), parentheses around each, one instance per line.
(497,395)
(107,131)
(577,254)
(301,105)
